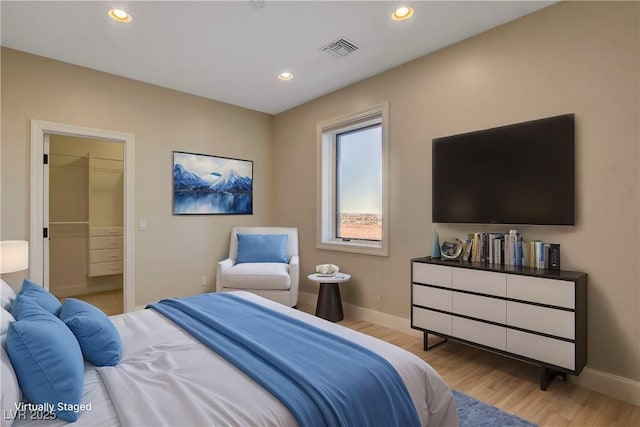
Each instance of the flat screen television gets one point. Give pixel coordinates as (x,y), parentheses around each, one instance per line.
(517,174)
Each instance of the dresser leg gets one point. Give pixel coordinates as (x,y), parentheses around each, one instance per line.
(547,375)
(425,342)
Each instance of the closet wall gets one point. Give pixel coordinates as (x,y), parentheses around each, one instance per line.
(85,215)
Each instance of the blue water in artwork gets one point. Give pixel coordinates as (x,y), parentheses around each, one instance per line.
(212,203)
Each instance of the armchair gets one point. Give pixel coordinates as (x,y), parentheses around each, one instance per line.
(277,281)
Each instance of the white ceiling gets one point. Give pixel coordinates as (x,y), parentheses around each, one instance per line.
(232,52)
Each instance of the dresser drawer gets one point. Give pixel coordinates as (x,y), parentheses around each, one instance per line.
(560,293)
(544,349)
(437,275)
(542,319)
(431,320)
(105,243)
(105,255)
(480,333)
(484,282)
(105,268)
(105,231)
(432,297)
(492,309)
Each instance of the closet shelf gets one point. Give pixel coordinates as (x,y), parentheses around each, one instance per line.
(68,222)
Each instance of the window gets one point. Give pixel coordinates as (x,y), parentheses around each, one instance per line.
(352,204)
(359,183)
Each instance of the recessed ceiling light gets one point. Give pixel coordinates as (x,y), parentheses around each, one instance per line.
(119,15)
(402,13)
(285,76)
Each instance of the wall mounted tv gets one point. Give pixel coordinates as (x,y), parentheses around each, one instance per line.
(516,174)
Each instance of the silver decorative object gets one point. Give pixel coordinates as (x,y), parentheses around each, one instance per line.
(451,250)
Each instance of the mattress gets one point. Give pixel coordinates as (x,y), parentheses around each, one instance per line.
(170,378)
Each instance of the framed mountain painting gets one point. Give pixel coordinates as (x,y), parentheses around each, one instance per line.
(211,185)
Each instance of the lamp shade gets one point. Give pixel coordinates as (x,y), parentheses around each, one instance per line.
(14,255)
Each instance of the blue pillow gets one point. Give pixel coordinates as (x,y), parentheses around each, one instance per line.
(26,308)
(98,338)
(262,248)
(47,360)
(20,304)
(40,295)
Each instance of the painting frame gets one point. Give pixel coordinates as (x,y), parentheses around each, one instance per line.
(206,184)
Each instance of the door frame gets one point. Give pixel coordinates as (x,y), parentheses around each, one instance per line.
(40,128)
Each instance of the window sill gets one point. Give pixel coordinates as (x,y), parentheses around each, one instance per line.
(357,247)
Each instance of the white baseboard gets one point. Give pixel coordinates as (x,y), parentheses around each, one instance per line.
(397,323)
(614,386)
(307,298)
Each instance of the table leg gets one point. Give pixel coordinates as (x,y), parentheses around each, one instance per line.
(329,305)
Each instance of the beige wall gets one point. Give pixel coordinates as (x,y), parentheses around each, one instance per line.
(175,251)
(572,57)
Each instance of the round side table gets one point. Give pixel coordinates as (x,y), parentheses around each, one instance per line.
(329,305)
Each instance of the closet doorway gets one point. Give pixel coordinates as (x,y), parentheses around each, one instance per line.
(86,221)
(81,228)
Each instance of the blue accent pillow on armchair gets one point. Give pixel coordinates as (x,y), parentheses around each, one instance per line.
(262,248)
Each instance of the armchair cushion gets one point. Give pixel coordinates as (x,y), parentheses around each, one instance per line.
(257,248)
(257,276)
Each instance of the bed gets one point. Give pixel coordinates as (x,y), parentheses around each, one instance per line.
(167,377)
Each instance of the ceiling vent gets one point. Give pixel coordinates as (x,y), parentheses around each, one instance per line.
(340,48)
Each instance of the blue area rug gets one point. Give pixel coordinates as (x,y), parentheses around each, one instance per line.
(473,413)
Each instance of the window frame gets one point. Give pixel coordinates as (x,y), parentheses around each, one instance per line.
(326,230)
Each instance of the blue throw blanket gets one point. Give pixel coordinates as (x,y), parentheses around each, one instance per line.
(321,378)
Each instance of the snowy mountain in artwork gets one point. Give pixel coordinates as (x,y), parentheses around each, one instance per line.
(229,182)
(232,182)
(183,180)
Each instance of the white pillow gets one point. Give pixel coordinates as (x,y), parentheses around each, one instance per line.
(11,394)
(7,295)
(5,319)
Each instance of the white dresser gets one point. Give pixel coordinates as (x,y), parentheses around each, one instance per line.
(106,251)
(539,316)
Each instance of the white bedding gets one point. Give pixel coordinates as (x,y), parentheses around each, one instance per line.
(166,377)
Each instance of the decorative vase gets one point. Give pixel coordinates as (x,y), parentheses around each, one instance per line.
(435,249)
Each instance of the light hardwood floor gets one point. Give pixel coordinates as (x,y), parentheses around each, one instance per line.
(494,379)
(108,301)
(510,384)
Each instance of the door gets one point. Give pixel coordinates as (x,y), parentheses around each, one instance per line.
(40,247)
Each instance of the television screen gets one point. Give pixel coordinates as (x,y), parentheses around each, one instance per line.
(517,174)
